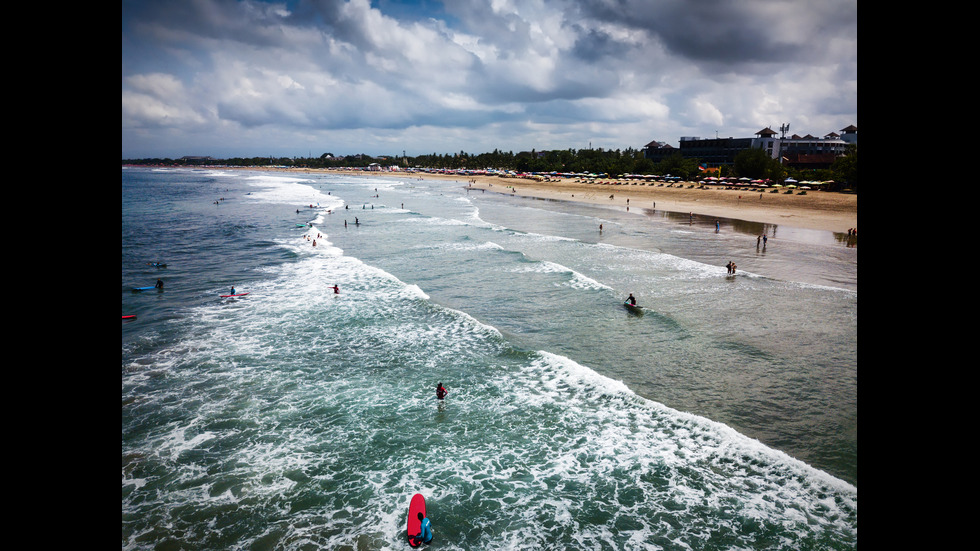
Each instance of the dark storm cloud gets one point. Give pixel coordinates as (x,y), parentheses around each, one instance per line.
(732,31)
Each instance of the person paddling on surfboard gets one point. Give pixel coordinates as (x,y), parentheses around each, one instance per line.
(425,535)
(441,391)
(631,300)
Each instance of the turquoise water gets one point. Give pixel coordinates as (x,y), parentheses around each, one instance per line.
(723,417)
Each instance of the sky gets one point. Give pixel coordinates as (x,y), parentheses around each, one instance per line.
(300,78)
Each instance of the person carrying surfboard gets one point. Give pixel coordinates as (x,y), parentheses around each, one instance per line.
(441,391)
(425,535)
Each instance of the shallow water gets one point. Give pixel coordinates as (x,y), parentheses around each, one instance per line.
(298,418)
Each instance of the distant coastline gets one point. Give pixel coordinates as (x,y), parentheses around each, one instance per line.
(815,210)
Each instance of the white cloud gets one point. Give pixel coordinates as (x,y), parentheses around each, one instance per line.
(158,100)
(703,112)
(486,73)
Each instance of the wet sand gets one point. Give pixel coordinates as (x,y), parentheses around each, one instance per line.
(816,210)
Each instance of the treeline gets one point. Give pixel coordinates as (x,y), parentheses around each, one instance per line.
(750,163)
(630,161)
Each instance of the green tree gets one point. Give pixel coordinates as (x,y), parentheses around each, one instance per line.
(845,169)
(678,165)
(756,163)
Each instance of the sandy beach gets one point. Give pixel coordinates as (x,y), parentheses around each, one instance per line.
(816,210)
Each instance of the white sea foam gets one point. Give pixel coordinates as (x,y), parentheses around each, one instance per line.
(709,438)
(576,279)
(317,407)
(291,191)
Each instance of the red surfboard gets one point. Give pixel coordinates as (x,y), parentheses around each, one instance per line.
(129,317)
(238,295)
(414,524)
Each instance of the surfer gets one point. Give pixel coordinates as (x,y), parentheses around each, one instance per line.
(159,284)
(336,290)
(631,300)
(232,290)
(441,391)
(425,535)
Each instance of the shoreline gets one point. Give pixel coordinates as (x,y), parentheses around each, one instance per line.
(816,210)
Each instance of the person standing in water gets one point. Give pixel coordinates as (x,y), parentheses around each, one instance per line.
(631,300)
(441,391)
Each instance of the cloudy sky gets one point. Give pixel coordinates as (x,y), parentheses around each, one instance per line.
(295,78)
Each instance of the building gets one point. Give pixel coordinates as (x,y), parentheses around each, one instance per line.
(796,151)
(715,152)
(850,134)
(658,151)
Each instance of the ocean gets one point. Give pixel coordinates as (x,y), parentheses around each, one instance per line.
(722,416)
